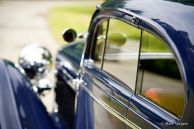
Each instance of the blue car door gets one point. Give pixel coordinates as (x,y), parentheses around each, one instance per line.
(108,76)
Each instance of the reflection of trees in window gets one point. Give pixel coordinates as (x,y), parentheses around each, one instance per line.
(165,67)
(161,65)
(152,44)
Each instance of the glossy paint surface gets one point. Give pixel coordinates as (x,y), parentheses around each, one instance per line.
(68,60)
(19,106)
(72,52)
(171,16)
(171,21)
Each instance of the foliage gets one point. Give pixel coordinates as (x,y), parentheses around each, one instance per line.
(72,16)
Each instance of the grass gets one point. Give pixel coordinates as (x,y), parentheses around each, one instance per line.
(73,16)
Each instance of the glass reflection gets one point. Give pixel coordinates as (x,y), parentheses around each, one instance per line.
(161,79)
(121,51)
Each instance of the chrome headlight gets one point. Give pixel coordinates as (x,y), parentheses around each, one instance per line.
(36,61)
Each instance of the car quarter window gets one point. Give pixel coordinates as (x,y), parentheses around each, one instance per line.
(160,76)
(121,50)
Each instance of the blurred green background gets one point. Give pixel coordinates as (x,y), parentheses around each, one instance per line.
(75,16)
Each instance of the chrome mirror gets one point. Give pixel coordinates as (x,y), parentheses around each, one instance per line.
(36,61)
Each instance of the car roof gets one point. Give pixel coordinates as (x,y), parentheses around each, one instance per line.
(176,19)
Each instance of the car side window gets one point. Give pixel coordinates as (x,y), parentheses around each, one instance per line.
(160,76)
(121,52)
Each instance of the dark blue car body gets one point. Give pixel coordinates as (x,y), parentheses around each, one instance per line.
(171,21)
(88,97)
(20,107)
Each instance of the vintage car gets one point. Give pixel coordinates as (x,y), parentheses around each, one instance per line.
(132,69)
